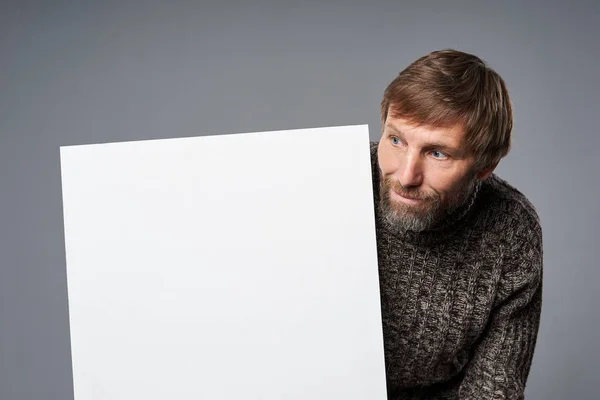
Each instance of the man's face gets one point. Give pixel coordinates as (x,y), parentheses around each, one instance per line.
(426,173)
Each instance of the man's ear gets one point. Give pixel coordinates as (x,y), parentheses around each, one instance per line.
(483,174)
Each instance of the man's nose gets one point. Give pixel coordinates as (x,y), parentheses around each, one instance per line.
(411,171)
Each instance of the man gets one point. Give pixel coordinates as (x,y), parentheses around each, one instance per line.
(460,250)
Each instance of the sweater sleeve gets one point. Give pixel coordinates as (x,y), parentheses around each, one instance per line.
(501,360)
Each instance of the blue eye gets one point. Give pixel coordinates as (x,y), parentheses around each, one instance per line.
(438,155)
(395,140)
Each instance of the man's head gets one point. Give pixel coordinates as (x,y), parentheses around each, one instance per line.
(446,123)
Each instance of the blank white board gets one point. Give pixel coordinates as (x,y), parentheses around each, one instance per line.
(238,266)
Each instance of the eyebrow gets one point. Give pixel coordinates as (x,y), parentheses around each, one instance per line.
(431,145)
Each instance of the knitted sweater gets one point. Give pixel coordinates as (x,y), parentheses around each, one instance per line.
(461,303)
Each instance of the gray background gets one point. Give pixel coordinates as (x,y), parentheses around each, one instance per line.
(90,72)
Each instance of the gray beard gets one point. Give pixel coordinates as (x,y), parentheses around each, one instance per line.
(401,221)
(400,218)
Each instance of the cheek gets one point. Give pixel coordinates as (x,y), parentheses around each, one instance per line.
(448,183)
(443,181)
(387,161)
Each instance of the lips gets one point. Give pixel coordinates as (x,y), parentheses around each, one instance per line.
(407,197)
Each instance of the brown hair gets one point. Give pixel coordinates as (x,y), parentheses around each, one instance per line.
(449,87)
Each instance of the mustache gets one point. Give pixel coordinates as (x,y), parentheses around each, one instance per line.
(408,192)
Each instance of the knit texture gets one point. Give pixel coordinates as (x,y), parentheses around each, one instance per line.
(461,303)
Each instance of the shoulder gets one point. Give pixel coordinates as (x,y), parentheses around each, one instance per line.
(516,225)
(517,233)
(373,147)
(512,209)
(374,161)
